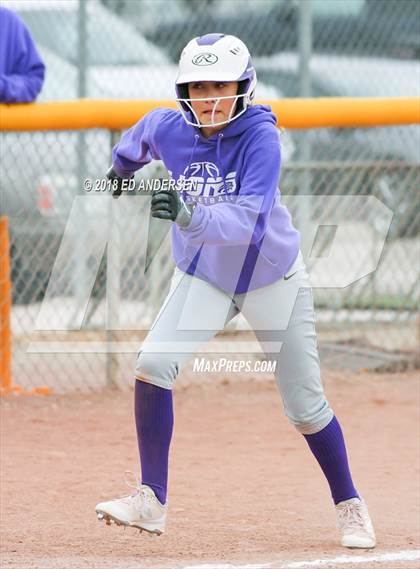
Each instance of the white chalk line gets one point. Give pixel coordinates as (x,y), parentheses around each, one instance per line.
(406,555)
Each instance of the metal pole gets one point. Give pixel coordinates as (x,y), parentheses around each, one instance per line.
(79,283)
(113,283)
(83,48)
(305,49)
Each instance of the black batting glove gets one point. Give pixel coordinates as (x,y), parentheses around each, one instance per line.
(112,175)
(170,205)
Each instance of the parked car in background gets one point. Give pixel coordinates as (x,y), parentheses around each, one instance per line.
(360,27)
(110,39)
(387,159)
(351,76)
(42,172)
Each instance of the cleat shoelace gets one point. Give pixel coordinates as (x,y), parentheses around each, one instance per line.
(127,498)
(142,498)
(351,518)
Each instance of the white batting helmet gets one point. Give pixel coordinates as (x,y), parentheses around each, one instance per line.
(216,57)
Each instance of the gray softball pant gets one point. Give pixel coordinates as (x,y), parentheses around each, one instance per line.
(283,320)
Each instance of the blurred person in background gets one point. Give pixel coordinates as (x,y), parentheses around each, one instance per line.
(22,70)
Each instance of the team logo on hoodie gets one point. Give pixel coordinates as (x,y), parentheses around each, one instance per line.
(204,179)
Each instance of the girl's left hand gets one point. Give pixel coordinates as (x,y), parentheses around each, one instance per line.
(169,204)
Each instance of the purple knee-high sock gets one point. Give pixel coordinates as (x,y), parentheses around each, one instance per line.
(154,415)
(329,449)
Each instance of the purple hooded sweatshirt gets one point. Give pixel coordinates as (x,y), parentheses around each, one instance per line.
(21,68)
(240,237)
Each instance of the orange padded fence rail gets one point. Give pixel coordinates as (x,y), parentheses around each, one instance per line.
(5,307)
(291,113)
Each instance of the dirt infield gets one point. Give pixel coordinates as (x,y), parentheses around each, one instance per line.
(244,488)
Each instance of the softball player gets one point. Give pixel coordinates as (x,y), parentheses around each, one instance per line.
(235,250)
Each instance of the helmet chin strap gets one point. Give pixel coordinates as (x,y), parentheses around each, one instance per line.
(187,102)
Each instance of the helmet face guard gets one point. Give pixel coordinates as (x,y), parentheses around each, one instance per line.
(186,108)
(216,58)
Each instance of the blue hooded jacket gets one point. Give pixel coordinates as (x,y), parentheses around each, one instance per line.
(240,237)
(21,68)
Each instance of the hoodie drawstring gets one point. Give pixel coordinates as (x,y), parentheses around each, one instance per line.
(219,158)
(196,137)
(190,160)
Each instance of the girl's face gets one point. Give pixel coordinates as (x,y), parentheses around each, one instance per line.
(204,109)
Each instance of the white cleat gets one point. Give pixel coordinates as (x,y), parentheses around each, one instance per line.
(355,524)
(141,510)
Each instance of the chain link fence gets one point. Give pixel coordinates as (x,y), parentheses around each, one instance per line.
(360,48)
